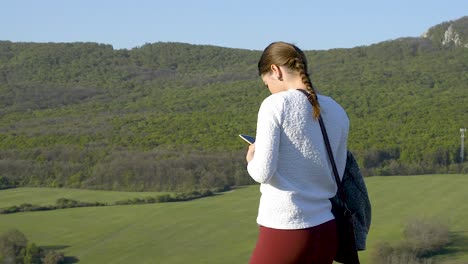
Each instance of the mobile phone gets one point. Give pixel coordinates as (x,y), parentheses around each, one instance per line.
(247,138)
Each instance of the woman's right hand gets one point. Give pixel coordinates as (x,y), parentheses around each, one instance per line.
(250,152)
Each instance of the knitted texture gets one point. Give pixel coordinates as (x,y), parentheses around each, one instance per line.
(291,161)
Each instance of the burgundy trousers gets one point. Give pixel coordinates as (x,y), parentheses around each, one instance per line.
(315,245)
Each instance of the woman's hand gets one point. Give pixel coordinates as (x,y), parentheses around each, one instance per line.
(250,152)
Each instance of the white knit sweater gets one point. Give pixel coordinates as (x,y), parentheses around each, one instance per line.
(291,161)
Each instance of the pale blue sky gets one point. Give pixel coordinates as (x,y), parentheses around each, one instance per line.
(246,24)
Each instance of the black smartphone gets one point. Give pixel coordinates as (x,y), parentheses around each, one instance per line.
(247,138)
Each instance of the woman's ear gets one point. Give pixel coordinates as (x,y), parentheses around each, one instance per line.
(277,72)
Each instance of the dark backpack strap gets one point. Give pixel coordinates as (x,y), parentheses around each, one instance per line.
(341,193)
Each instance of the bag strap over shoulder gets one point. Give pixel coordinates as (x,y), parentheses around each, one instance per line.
(341,193)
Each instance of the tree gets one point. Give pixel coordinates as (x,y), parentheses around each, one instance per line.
(53,257)
(12,246)
(33,254)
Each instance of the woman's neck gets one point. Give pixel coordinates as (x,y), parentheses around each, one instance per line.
(295,83)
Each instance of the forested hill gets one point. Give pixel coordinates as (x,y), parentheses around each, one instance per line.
(165,116)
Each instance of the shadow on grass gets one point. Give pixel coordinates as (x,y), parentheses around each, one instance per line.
(70,260)
(458,244)
(459,241)
(67,259)
(55,248)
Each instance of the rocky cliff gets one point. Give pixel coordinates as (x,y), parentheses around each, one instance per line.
(451,33)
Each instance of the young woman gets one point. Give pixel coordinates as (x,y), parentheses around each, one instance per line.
(290,161)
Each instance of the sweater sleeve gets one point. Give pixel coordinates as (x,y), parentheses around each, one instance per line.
(264,163)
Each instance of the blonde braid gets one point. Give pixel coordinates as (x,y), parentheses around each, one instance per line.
(299,65)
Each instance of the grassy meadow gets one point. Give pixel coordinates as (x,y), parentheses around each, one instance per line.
(222,228)
(48,196)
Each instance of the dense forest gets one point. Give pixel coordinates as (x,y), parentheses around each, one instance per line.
(165,116)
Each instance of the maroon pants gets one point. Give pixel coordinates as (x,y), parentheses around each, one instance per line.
(315,245)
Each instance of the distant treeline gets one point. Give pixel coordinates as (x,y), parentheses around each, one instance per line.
(158,170)
(165,116)
(64,203)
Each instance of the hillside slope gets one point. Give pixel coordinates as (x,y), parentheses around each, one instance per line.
(165,116)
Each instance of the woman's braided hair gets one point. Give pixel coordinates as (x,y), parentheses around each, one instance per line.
(290,56)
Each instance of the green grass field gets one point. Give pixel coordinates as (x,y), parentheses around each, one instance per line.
(48,196)
(222,228)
